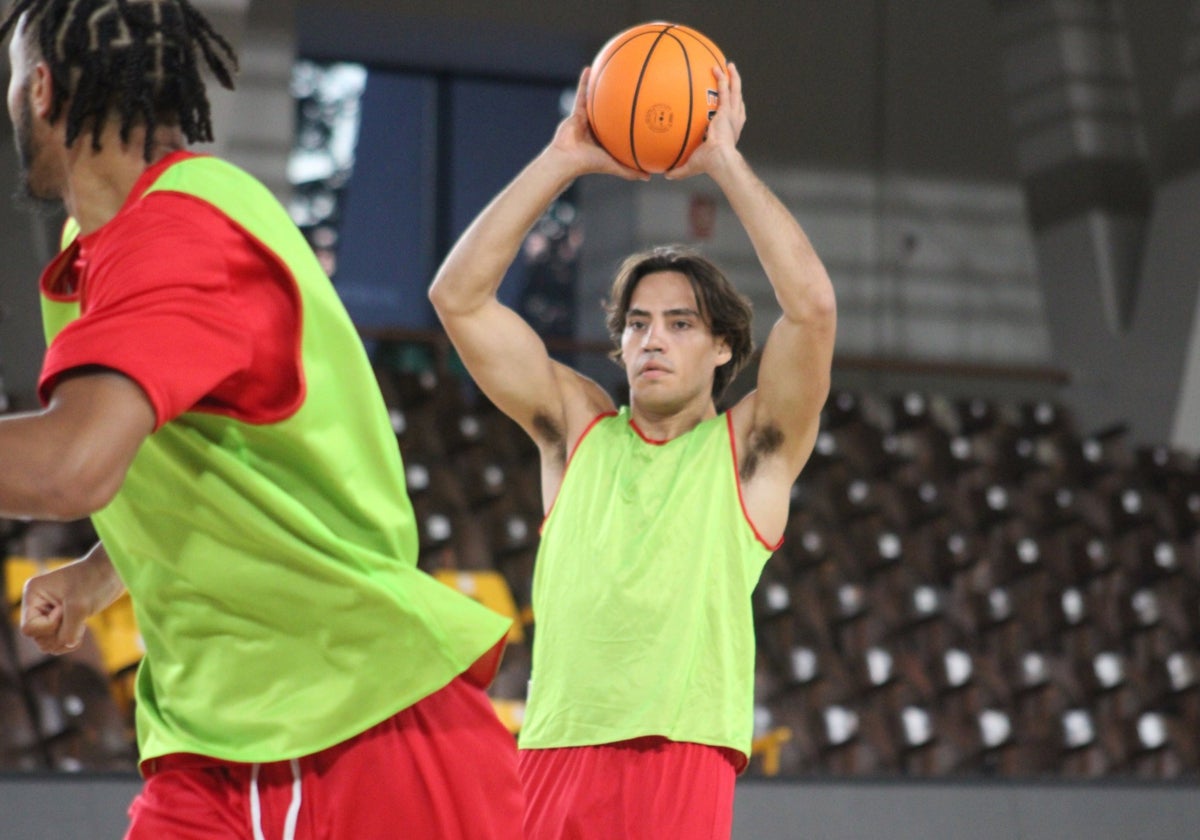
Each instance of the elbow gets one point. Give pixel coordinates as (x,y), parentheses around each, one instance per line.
(442,298)
(453,298)
(71,499)
(815,309)
(823,305)
(436,294)
(66,493)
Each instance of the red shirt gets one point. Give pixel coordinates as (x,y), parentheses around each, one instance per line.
(183,301)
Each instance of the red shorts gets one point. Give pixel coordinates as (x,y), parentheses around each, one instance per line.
(644,789)
(442,769)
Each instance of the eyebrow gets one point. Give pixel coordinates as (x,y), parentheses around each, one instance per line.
(669,312)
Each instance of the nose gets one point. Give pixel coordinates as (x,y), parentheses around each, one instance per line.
(652,337)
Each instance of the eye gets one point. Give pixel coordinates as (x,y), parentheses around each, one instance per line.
(683,325)
(635,325)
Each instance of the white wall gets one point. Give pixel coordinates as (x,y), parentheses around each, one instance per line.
(924,269)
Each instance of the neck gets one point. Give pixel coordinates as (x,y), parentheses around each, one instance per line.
(663,425)
(99,182)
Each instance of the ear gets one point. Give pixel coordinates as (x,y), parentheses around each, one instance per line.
(41,90)
(724,352)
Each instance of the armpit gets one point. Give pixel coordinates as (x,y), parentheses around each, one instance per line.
(762,442)
(550,435)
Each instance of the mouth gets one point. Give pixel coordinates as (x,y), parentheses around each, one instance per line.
(653,370)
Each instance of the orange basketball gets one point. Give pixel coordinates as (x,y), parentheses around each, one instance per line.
(651,93)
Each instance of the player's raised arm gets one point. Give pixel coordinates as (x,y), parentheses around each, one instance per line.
(505,356)
(793,375)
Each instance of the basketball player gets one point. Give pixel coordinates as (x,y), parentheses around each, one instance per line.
(660,514)
(209,404)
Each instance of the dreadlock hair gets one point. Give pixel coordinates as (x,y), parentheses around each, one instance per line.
(134,60)
(725,311)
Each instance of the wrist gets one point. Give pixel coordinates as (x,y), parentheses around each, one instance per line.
(726,164)
(102,583)
(560,166)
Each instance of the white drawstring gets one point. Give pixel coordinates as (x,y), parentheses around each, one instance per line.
(289,826)
(255,809)
(293,812)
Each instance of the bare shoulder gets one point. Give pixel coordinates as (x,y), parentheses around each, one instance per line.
(770,453)
(769,449)
(582,401)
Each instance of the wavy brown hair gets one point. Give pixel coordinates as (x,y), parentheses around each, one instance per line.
(726,311)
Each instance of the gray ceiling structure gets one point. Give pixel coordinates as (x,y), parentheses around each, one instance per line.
(1091,106)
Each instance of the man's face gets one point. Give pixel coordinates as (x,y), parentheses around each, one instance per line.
(668,351)
(34,183)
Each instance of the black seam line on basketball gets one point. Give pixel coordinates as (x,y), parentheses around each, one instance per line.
(616,50)
(687,129)
(716,59)
(591,111)
(633,111)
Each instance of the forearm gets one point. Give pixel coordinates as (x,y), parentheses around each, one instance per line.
(70,460)
(56,605)
(35,470)
(796,273)
(472,272)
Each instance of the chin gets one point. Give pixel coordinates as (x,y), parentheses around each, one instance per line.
(655,399)
(34,200)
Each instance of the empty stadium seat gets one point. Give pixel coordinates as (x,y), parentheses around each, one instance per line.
(768,749)
(511,529)
(80,724)
(482,475)
(965,586)
(20,743)
(1160,746)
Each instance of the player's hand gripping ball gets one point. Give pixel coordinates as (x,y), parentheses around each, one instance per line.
(651,93)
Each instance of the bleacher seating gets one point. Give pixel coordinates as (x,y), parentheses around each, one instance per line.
(1040,579)
(966,587)
(72,712)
